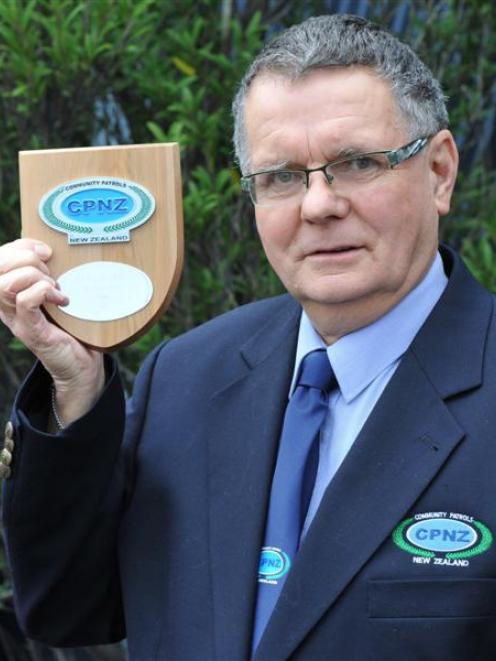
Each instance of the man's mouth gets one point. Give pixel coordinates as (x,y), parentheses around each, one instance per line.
(334,250)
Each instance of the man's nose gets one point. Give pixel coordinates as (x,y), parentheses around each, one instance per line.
(322,200)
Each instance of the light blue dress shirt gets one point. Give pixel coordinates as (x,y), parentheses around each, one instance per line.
(363,362)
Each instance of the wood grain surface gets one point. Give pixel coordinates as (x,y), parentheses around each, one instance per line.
(156,247)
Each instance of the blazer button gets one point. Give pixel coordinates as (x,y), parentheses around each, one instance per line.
(8,442)
(5,457)
(9,431)
(6,453)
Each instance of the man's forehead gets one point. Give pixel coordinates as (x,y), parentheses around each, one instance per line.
(329,113)
(319,95)
(329,78)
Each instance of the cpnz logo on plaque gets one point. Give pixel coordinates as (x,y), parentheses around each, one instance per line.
(96,209)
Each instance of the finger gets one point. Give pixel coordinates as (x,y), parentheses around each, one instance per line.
(17,258)
(36,248)
(13,282)
(41,248)
(29,323)
(31,299)
(9,303)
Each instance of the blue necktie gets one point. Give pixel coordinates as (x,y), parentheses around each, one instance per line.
(293,481)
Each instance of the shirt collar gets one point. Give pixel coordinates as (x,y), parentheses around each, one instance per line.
(359,357)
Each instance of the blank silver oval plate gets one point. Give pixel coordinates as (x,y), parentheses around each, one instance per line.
(105,291)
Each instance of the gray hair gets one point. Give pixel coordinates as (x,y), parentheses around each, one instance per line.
(343,40)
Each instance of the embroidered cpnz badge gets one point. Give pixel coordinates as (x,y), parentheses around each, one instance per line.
(442,538)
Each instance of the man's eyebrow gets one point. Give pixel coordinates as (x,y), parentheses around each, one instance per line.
(283,165)
(346,152)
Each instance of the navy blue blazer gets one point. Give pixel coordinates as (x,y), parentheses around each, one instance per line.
(157,537)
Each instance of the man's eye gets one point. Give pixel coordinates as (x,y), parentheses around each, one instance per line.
(363,163)
(281,177)
(278,181)
(358,167)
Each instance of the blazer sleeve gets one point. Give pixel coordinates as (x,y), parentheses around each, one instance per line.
(62,507)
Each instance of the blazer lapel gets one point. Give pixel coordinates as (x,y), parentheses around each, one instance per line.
(404,444)
(392,461)
(246,415)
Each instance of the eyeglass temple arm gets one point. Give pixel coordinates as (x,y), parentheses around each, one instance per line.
(399,155)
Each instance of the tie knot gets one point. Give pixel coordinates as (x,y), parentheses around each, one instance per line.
(316,371)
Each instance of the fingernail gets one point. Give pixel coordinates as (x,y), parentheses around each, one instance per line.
(42,250)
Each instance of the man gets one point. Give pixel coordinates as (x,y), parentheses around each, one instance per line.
(342,140)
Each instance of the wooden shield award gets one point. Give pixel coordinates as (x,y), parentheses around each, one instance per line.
(113,216)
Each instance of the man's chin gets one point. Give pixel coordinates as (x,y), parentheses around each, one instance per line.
(333,293)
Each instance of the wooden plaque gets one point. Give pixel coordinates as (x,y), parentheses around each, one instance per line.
(119,255)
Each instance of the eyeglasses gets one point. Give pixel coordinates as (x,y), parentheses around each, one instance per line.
(274,187)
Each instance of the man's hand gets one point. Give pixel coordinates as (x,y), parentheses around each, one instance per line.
(26,285)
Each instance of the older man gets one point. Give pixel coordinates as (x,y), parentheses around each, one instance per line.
(354,521)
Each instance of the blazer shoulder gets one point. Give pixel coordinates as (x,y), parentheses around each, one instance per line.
(236,326)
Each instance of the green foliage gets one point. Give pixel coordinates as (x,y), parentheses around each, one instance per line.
(458,40)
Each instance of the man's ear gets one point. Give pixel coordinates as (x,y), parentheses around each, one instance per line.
(443,163)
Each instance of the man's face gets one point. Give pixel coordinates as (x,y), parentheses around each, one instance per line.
(362,250)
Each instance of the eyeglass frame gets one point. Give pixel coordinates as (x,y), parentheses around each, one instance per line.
(394,156)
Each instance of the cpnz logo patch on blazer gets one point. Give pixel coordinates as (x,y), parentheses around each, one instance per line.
(442,538)
(274,564)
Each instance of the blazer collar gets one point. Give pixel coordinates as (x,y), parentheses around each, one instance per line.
(451,344)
